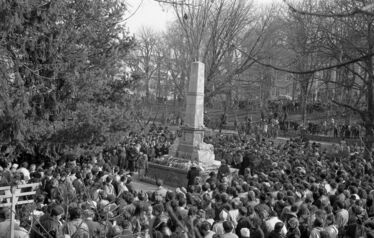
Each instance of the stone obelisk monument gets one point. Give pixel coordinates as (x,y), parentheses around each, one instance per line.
(190,145)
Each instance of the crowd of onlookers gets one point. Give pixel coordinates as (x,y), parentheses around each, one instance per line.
(292,189)
(330,128)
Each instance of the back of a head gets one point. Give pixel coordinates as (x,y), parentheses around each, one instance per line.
(159,182)
(74,212)
(278,226)
(205,187)
(243,211)
(227,226)
(318,222)
(25,164)
(57,210)
(330,219)
(5,213)
(339,204)
(205,226)
(192,211)
(224,197)
(158,208)
(263,197)
(182,201)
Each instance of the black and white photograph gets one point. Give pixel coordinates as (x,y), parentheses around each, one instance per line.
(186,118)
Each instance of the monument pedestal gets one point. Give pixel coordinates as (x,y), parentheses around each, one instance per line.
(190,146)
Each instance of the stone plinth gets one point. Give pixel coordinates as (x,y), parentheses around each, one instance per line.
(191,146)
(171,176)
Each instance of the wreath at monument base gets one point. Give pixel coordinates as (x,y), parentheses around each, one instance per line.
(170,161)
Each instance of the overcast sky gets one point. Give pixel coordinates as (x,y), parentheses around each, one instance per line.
(149,13)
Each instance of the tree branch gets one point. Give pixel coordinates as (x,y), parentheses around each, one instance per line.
(174,2)
(355,11)
(311,71)
(362,114)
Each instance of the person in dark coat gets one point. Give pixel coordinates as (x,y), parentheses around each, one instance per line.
(132,157)
(223,170)
(243,221)
(246,162)
(276,233)
(49,224)
(122,158)
(192,173)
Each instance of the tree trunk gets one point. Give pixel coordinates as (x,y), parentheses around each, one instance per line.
(368,140)
(369,122)
(293,89)
(158,77)
(303,106)
(304,98)
(147,89)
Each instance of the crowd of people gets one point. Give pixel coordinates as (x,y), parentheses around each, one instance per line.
(292,189)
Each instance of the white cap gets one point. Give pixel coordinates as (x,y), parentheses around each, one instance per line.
(244,232)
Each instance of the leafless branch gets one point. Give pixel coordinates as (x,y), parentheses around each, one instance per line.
(350,107)
(311,71)
(174,2)
(355,11)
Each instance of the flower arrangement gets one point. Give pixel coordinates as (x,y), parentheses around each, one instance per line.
(170,161)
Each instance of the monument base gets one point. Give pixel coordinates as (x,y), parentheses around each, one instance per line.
(173,177)
(202,153)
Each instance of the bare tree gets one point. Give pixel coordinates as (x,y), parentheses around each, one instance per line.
(347,28)
(210,31)
(177,59)
(146,56)
(303,38)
